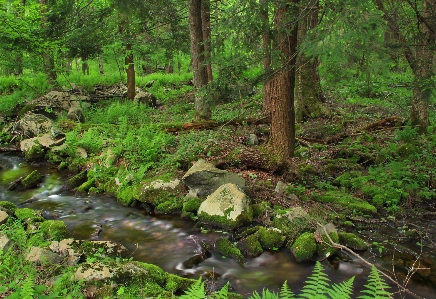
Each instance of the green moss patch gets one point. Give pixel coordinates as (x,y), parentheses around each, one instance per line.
(271,238)
(324,250)
(250,246)
(8,207)
(29,215)
(304,247)
(346,201)
(54,230)
(35,153)
(32,180)
(228,249)
(352,241)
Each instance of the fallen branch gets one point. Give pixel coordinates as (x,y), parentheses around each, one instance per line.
(350,251)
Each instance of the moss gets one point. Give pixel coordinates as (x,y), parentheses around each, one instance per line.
(304,247)
(35,153)
(250,246)
(406,149)
(176,283)
(348,223)
(351,179)
(249,231)
(192,205)
(271,238)
(54,230)
(173,206)
(126,194)
(63,165)
(260,209)
(32,180)
(324,250)
(94,190)
(352,241)
(86,185)
(155,273)
(224,222)
(293,228)
(29,215)
(76,180)
(346,201)
(228,249)
(8,207)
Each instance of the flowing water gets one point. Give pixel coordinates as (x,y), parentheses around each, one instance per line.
(169,242)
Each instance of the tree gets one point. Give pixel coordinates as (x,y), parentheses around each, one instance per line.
(202,108)
(308,97)
(282,82)
(47,54)
(266,45)
(413,25)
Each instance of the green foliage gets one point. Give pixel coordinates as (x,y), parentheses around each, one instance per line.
(196,291)
(376,287)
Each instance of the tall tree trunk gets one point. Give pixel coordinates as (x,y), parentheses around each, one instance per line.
(308,98)
(205,26)
(266,45)
(100,65)
(48,60)
(418,53)
(202,108)
(130,71)
(282,85)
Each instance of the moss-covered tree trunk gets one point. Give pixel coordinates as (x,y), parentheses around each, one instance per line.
(266,45)
(48,60)
(308,98)
(282,84)
(202,108)
(205,26)
(130,71)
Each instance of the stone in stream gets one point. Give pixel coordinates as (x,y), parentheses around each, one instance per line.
(32,180)
(203,178)
(228,207)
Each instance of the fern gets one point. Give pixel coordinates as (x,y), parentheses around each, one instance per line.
(223,293)
(196,291)
(266,294)
(341,290)
(317,284)
(285,292)
(376,287)
(28,288)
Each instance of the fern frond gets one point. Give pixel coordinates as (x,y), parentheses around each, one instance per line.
(376,287)
(266,294)
(317,284)
(223,293)
(285,292)
(342,290)
(196,291)
(28,288)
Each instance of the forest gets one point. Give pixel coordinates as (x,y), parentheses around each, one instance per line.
(296,130)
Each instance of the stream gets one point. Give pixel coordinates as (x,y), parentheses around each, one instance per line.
(168,241)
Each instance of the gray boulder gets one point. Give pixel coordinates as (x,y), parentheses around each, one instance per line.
(46,141)
(42,256)
(5,243)
(228,207)
(3,217)
(203,178)
(146,98)
(31,125)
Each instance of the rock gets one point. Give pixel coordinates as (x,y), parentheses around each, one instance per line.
(324,250)
(29,215)
(32,180)
(228,207)
(271,238)
(146,98)
(54,230)
(56,133)
(3,217)
(31,125)
(226,248)
(250,246)
(43,256)
(75,181)
(280,187)
(304,247)
(149,84)
(204,178)
(81,152)
(253,140)
(161,185)
(352,241)
(46,141)
(34,153)
(8,207)
(297,212)
(75,113)
(5,243)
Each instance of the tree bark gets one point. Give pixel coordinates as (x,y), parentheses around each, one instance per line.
(48,60)
(266,45)
(130,71)
(100,65)
(205,26)
(418,53)
(308,98)
(202,108)
(282,84)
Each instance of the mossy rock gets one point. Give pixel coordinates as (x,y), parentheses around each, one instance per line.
(175,283)
(346,201)
(304,247)
(32,180)
(249,231)
(8,207)
(271,238)
(260,209)
(86,185)
(228,249)
(35,153)
(324,250)
(352,241)
(351,179)
(191,206)
(75,181)
(172,206)
(55,230)
(293,228)
(29,215)
(250,246)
